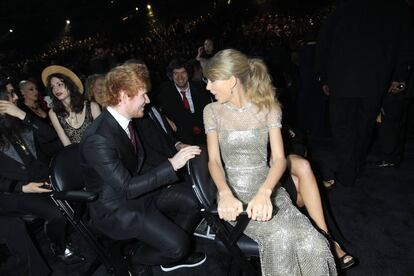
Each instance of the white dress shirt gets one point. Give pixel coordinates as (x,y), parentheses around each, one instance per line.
(122,120)
(188,95)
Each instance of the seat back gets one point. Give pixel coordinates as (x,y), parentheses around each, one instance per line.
(66,174)
(203,185)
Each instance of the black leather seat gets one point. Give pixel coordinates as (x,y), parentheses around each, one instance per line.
(229,238)
(70,196)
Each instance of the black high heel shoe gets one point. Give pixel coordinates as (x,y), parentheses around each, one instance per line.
(344,262)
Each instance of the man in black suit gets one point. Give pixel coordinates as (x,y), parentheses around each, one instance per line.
(363,47)
(183,102)
(134,199)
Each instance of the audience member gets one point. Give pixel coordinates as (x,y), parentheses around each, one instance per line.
(239,126)
(205,52)
(70,113)
(30,100)
(183,102)
(94,87)
(135,201)
(24,171)
(355,67)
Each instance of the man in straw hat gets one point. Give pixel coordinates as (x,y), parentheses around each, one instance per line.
(134,200)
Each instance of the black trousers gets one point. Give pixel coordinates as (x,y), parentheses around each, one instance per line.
(352,125)
(167,232)
(13,232)
(39,205)
(391,131)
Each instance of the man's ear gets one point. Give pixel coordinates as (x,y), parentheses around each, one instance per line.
(122,96)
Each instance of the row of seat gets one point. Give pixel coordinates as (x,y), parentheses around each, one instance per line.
(71,198)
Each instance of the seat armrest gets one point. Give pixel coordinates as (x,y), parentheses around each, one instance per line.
(77,196)
(213,210)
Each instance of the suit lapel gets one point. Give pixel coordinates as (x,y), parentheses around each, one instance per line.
(12,153)
(123,143)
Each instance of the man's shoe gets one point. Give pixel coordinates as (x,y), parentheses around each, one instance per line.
(68,256)
(193,260)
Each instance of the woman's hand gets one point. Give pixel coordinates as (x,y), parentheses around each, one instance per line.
(260,208)
(229,207)
(10,108)
(35,187)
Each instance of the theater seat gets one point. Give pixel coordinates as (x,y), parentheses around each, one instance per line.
(71,198)
(230,239)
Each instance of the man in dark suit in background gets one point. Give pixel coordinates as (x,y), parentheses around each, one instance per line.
(183,102)
(134,201)
(362,48)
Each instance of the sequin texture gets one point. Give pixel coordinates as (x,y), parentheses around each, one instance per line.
(289,245)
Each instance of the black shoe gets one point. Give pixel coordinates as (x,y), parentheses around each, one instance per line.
(140,270)
(193,260)
(68,256)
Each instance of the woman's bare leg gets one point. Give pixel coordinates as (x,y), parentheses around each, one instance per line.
(308,194)
(307,189)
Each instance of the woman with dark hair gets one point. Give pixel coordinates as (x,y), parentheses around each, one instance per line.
(71,114)
(24,172)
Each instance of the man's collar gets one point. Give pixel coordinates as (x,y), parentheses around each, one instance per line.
(183,89)
(121,119)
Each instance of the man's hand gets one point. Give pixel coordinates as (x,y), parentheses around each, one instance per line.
(179,146)
(180,158)
(35,187)
(325,89)
(229,207)
(10,108)
(200,50)
(396,87)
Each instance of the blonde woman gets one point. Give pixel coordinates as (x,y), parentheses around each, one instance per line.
(239,127)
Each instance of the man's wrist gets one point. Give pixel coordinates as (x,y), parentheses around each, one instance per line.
(177,145)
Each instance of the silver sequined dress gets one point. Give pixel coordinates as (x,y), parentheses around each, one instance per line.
(289,245)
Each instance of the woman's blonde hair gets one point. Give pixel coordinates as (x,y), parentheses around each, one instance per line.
(252,73)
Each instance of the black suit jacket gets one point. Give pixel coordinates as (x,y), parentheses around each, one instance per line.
(158,144)
(363,46)
(13,171)
(190,127)
(112,169)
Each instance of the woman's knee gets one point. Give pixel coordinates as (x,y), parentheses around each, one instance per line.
(300,166)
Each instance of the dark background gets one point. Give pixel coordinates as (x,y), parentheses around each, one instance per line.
(37,22)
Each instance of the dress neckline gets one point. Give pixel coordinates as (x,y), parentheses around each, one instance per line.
(238,109)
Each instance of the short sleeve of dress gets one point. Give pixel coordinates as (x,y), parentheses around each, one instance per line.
(274,118)
(210,121)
